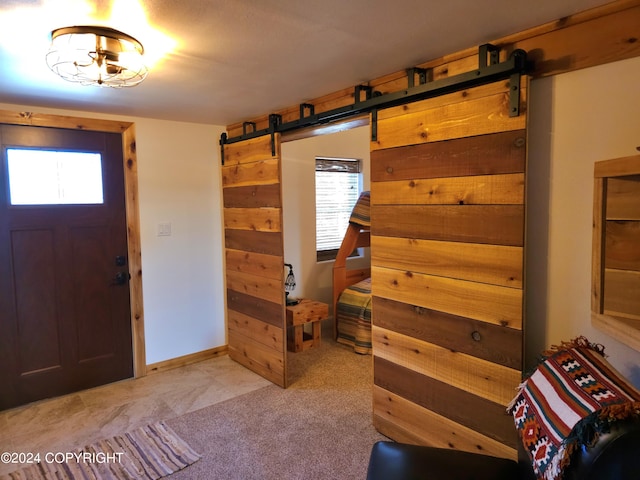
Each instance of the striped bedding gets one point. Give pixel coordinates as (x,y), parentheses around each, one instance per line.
(353,317)
(360,214)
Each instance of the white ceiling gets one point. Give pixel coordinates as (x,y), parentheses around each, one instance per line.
(224,61)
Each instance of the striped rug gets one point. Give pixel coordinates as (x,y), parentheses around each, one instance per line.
(148,453)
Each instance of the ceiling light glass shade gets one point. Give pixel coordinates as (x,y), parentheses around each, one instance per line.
(96,56)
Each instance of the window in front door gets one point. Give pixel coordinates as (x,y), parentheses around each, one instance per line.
(53,177)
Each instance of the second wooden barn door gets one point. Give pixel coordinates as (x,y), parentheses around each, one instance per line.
(251,181)
(447,225)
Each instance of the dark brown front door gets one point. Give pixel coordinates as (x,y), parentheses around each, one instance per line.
(64,299)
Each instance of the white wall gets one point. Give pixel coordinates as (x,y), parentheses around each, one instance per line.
(576,119)
(182,275)
(183,284)
(314,280)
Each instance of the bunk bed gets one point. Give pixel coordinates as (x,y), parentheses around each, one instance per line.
(352,287)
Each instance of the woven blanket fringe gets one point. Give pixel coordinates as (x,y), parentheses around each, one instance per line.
(514,401)
(578,342)
(588,430)
(555,469)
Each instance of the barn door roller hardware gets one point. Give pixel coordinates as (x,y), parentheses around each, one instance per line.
(489,70)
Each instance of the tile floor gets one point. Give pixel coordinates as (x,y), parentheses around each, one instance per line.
(65,423)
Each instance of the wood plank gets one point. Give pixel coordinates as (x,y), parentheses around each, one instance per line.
(621,293)
(258,358)
(464,95)
(248,151)
(356,275)
(36,119)
(333,100)
(257,264)
(476,190)
(623,198)
(134,246)
(386,425)
(268,243)
(306,311)
(324,129)
(484,115)
(594,37)
(494,264)
(186,360)
(477,376)
(597,245)
(497,153)
(268,335)
(403,420)
(253,196)
(264,172)
(264,288)
(622,248)
(268,312)
(490,303)
(480,339)
(625,330)
(354,237)
(256,219)
(487,224)
(616,167)
(445,400)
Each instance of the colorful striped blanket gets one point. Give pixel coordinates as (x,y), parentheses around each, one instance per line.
(353,317)
(571,397)
(360,214)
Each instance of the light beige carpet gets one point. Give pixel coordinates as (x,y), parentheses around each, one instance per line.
(318,428)
(147,453)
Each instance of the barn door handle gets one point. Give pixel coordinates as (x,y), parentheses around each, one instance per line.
(121,278)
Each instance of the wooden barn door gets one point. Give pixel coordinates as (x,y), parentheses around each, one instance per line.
(447,240)
(251,178)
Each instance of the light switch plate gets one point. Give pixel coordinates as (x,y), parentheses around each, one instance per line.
(164,229)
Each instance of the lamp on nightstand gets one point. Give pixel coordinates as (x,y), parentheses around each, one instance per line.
(290,284)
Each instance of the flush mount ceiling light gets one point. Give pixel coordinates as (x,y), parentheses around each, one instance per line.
(92,55)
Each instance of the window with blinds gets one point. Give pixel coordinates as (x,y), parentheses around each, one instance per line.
(338,186)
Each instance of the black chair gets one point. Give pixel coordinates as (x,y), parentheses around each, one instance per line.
(401,461)
(614,456)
